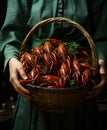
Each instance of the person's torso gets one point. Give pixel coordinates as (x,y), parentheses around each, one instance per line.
(76,10)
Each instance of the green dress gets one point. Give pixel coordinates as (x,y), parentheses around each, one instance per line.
(21,16)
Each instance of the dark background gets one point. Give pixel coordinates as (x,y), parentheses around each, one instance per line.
(8,95)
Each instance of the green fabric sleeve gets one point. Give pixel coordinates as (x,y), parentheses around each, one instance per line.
(13,30)
(10,54)
(99,23)
(102,51)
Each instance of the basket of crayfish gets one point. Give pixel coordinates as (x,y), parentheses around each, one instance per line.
(59,73)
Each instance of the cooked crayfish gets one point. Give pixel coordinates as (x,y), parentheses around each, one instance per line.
(54,65)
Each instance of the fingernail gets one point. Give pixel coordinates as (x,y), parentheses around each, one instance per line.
(25,77)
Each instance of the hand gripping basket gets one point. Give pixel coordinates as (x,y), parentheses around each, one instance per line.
(63,99)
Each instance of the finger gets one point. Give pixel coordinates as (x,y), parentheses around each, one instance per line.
(103,74)
(21,90)
(103,82)
(15,68)
(96,90)
(22,72)
(17,86)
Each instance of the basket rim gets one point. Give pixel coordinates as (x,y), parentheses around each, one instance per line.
(34,88)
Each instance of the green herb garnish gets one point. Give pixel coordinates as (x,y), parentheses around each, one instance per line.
(73,46)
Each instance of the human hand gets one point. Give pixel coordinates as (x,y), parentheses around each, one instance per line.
(99,87)
(15,69)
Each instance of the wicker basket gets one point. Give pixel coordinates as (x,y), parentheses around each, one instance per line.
(55,99)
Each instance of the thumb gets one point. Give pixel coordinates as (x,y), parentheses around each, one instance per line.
(22,72)
(103,71)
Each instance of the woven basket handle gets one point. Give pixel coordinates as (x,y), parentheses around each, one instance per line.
(73,23)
